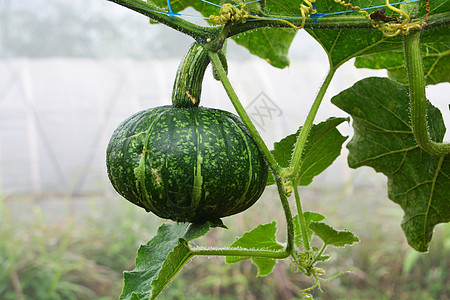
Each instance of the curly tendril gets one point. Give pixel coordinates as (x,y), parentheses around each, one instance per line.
(389,26)
(230,13)
(388,29)
(306,11)
(357,8)
(428,10)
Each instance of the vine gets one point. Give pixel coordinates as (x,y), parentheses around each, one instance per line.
(388,29)
(416,77)
(202,33)
(230,13)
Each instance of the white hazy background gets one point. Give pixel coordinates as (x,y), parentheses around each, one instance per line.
(71,71)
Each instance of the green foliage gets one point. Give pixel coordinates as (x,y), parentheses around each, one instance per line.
(309,217)
(104,248)
(273,44)
(331,236)
(37,268)
(436,62)
(323,147)
(270,44)
(65,260)
(384,141)
(262,237)
(160,260)
(344,44)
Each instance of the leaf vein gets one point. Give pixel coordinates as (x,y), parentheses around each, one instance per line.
(389,153)
(412,188)
(430,199)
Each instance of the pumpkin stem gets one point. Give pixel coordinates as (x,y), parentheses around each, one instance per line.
(187,88)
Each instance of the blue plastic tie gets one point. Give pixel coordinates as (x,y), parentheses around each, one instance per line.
(315,17)
(171,14)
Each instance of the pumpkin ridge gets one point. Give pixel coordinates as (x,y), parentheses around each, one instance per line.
(250,168)
(228,150)
(142,173)
(198,178)
(173,198)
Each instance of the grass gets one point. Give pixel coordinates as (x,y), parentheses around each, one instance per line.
(84,258)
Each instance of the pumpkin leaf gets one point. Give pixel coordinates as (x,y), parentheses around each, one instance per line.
(175,260)
(418,181)
(261,238)
(160,260)
(270,44)
(309,217)
(344,44)
(331,236)
(435,58)
(323,147)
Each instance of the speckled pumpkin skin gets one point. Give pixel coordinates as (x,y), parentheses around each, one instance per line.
(187,164)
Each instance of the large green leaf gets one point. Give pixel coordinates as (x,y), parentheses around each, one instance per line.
(419,182)
(323,147)
(271,44)
(436,63)
(344,44)
(263,238)
(173,263)
(160,260)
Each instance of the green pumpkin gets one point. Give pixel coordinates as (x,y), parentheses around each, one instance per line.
(187,164)
(184,162)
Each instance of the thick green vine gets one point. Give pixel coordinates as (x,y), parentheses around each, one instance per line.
(300,145)
(418,98)
(202,33)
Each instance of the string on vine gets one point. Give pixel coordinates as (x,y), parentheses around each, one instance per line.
(238,13)
(379,21)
